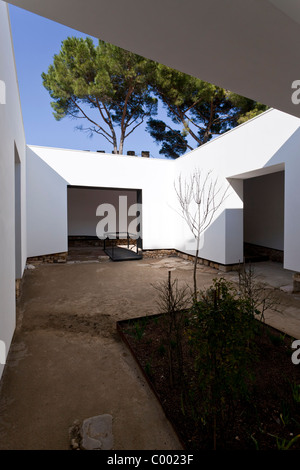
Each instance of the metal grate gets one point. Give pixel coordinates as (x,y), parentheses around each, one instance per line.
(130,250)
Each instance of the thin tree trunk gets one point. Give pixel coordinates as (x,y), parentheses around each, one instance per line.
(195,274)
(195,267)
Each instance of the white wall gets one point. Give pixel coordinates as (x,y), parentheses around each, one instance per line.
(264,210)
(266,144)
(292,213)
(46,208)
(51,170)
(11,138)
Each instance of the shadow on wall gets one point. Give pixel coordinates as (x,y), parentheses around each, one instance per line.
(289,153)
(46,208)
(222,241)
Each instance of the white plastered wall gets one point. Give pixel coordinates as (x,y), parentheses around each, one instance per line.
(268,143)
(12,142)
(51,170)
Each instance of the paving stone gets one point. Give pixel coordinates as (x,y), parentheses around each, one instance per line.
(97,433)
(288,289)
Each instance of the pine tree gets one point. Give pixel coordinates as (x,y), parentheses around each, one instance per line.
(105,86)
(200,110)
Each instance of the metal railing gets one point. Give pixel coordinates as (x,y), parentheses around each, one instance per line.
(116,236)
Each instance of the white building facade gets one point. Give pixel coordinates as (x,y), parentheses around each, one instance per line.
(256,161)
(259,163)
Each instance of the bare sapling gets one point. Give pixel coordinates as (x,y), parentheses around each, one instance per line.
(200,196)
(173,300)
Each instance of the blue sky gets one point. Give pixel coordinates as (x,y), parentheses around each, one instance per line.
(36,40)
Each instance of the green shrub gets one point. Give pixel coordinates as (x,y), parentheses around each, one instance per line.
(221,334)
(139,330)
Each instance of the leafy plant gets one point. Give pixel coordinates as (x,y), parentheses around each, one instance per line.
(285,444)
(221,339)
(138,329)
(285,414)
(254,441)
(277,339)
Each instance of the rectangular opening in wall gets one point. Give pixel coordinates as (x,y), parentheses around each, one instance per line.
(18,234)
(99,214)
(264,217)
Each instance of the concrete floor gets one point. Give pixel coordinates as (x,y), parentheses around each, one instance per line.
(67,363)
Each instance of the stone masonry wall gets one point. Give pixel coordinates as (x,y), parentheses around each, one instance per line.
(52,258)
(162,253)
(150,254)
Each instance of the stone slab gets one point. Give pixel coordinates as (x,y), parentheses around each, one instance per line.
(97,433)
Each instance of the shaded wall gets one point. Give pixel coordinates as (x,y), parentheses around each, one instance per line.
(264,145)
(12,171)
(264,210)
(83,204)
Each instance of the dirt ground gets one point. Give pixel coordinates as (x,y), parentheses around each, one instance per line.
(67,363)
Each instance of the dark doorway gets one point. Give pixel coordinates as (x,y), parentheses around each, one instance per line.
(88,215)
(18,224)
(264,217)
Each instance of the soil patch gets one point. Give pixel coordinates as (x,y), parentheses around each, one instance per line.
(268,420)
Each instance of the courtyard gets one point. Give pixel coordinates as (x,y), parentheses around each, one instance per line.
(67,362)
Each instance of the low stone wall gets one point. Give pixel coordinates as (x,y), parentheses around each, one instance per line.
(211,264)
(257,251)
(163,253)
(84,241)
(158,253)
(147,254)
(18,287)
(51,258)
(296,283)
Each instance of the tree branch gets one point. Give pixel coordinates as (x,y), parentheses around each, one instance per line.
(86,116)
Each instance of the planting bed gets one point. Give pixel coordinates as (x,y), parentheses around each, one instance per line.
(268,420)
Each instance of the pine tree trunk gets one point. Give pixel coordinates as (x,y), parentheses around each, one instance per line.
(122,139)
(121,146)
(113,137)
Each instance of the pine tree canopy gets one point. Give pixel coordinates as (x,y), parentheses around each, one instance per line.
(114,92)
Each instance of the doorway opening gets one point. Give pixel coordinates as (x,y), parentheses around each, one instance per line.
(102,220)
(18,222)
(264,217)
